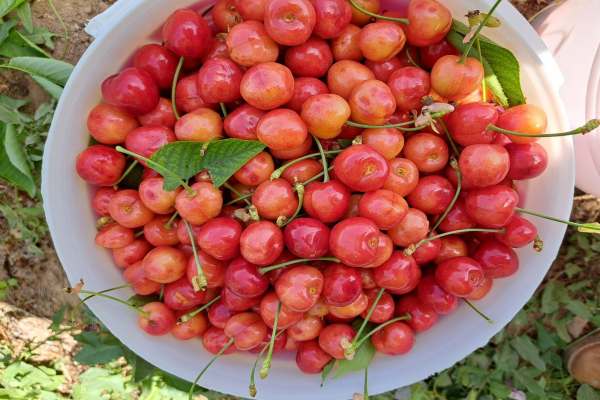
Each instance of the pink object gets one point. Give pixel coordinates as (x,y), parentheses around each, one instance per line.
(570,30)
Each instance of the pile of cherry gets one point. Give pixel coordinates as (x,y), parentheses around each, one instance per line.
(332,222)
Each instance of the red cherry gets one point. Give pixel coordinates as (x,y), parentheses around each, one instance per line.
(451,246)
(127,209)
(429,152)
(342,285)
(114,236)
(268,309)
(206,203)
(214,340)
(400,274)
(220,238)
(409,85)
(154,196)
(180,295)
(484,164)
(355,241)
(132,253)
(345,75)
(305,88)
(325,115)
(352,310)
(100,165)
(282,129)
(429,22)
(527,160)
(162,115)
(381,40)
(388,142)
(326,201)
(136,276)
(432,195)
(308,328)
(493,206)
(165,264)
(459,276)
(294,152)
(345,46)
(146,140)
(333,337)
(309,59)
(307,238)
(457,218)
(427,252)
(430,293)
(310,358)
(186,34)
(251,10)
(468,123)
(290,22)
(267,86)
(384,69)
(358,17)
(261,243)
(194,327)
(219,81)
(403,176)
(249,44)
(247,330)
(384,251)
(394,339)
(302,171)
(497,259)
(160,233)
(241,123)
(372,102)
(524,118)
(110,124)
(518,232)
(101,200)
(225,15)
(384,310)
(159,319)
(430,54)
(383,207)
(422,316)
(219,314)
(332,17)
(187,95)
(453,79)
(237,303)
(133,89)
(213,269)
(413,227)
(275,198)
(243,279)
(361,168)
(482,290)
(256,171)
(159,62)
(299,287)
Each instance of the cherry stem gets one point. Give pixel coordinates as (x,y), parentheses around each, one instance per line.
(366,384)
(362,340)
(239,195)
(169,223)
(223,109)
(410,58)
(582,130)
(161,169)
(264,270)
(378,16)
(252,386)
(316,177)
(279,171)
(283,221)
(479,28)
(483,81)
(401,126)
(244,197)
(106,291)
(450,139)
(351,349)
(455,167)
(174,87)
(211,362)
(192,314)
(582,227)
(108,297)
(478,311)
(323,159)
(126,173)
(199,281)
(139,234)
(410,250)
(264,371)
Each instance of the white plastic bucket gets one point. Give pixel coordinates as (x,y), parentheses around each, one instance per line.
(72,224)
